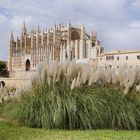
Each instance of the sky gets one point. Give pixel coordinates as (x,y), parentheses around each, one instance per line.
(117,22)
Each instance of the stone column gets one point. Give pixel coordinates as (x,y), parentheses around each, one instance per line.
(71,49)
(76,49)
(81,49)
(64,53)
(37,36)
(42,38)
(61,55)
(32,39)
(53,52)
(89,43)
(68,49)
(25,42)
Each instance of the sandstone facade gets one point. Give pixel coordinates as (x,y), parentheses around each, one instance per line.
(59,43)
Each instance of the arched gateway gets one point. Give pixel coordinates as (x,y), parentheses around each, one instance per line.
(28,65)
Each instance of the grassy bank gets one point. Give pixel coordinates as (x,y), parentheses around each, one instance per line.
(10,131)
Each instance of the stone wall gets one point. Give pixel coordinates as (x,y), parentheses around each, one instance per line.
(17,82)
(22,74)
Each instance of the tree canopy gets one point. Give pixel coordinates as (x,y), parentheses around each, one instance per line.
(3,68)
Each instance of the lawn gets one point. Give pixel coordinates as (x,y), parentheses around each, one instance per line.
(10,131)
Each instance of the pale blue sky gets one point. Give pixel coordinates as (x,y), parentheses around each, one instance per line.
(117,22)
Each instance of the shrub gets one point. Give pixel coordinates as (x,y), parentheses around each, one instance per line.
(57,106)
(70,96)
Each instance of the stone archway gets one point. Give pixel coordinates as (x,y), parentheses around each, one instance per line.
(28,65)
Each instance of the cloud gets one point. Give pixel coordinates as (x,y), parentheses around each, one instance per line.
(18,21)
(117,22)
(124,39)
(2,19)
(135,24)
(136,3)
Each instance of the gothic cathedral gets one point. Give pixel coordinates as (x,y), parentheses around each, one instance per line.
(60,43)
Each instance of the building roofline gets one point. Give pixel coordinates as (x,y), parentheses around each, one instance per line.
(119,52)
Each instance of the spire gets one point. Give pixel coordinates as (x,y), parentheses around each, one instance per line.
(69,24)
(12,36)
(83,32)
(24,29)
(83,28)
(17,43)
(91,33)
(38,29)
(55,26)
(33,30)
(11,40)
(94,38)
(60,25)
(95,34)
(48,30)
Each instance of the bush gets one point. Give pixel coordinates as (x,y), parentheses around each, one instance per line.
(3,69)
(57,106)
(62,98)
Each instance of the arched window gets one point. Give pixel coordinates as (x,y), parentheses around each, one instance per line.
(75,35)
(28,65)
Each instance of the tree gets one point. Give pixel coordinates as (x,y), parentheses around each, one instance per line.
(3,68)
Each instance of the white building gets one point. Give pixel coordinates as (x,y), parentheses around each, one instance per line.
(116,59)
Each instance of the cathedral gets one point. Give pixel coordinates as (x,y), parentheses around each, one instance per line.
(59,43)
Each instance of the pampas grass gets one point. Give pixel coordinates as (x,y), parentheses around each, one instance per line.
(77,96)
(57,106)
(79,74)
